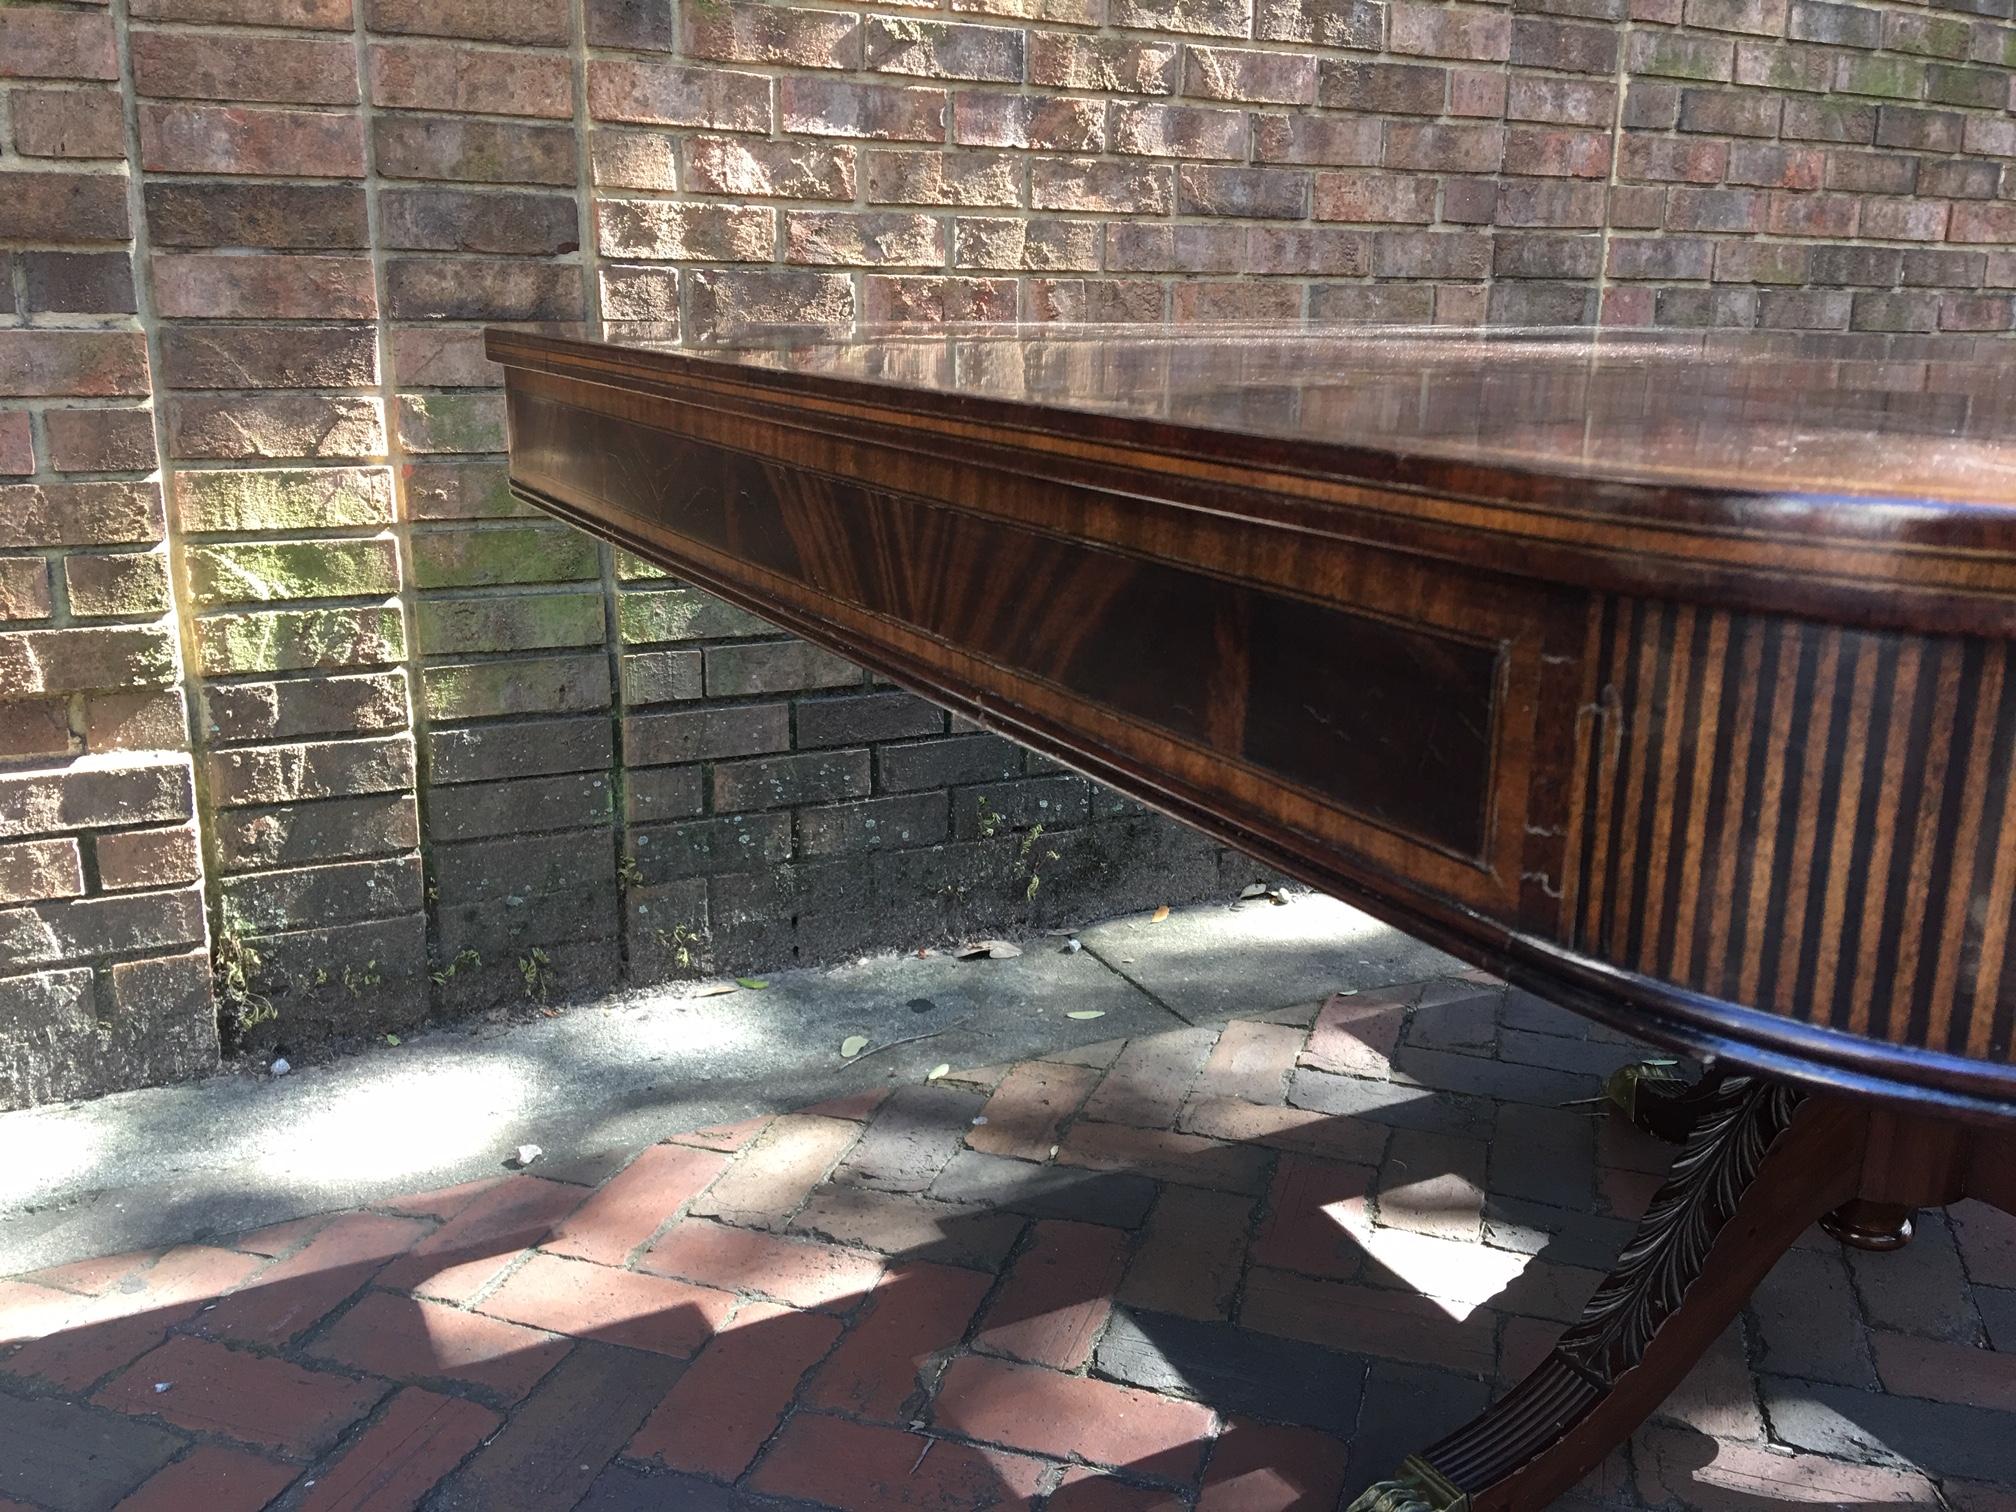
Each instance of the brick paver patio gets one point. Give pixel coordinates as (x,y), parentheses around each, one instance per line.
(1237,1271)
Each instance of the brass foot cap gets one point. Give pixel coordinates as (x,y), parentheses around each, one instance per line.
(1419,1487)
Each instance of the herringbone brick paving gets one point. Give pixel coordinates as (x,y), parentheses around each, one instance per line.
(1234,1270)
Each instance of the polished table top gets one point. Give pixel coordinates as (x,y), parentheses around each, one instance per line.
(1918,417)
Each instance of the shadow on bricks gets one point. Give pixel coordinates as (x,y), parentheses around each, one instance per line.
(1225,1270)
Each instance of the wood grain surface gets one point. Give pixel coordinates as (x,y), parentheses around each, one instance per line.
(1725,771)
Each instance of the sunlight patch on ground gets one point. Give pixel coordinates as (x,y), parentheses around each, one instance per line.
(415,1123)
(1458,1277)
(43,1147)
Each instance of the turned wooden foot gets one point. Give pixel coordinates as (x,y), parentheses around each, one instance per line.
(1870,1225)
(1763,1162)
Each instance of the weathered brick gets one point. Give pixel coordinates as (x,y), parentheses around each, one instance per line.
(453,423)
(287,640)
(459,491)
(784,781)
(80,364)
(855,239)
(24,588)
(52,44)
(221,356)
(881,112)
(1062,60)
(1317,140)
(944,50)
(642,25)
(17,450)
(233,139)
(520,622)
(527,749)
(31,870)
(213,66)
(665,94)
(1387,88)
(61,206)
(270,426)
(483,152)
(68,123)
(1139,248)
(298,834)
(727,303)
(96,283)
(1184,131)
(324,15)
(79,929)
(76,660)
(453,220)
(201,285)
(283,710)
(1440,31)
(751,167)
(95,792)
(1224,18)
(748,33)
(96,440)
(424,76)
(122,584)
(535,23)
(657,229)
(1262,193)
(1374,197)
(335,892)
(896,298)
(419,288)
(147,858)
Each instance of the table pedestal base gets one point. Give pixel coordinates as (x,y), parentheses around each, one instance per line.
(1762,1161)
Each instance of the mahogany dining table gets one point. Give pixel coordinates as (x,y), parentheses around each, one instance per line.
(1670,675)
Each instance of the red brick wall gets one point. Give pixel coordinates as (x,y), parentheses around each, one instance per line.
(445,754)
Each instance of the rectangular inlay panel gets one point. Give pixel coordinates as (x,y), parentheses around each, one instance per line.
(1394,723)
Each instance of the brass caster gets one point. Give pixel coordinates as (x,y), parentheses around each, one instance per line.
(1419,1487)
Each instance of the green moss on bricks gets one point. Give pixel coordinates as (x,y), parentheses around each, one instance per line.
(1940,36)
(677,614)
(452,422)
(1882,75)
(632,568)
(289,640)
(517,554)
(463,491)
(522,622)
(283,498)
(549,685)
(1684,58)
(268,572)
(1794,70)
(120,584)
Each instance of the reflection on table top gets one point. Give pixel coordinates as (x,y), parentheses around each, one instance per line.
(1927,418)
